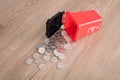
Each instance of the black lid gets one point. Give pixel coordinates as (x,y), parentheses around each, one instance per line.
(53,24)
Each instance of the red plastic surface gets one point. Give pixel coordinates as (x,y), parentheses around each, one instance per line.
(80,24)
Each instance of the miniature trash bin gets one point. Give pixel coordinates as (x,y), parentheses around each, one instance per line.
(80,24)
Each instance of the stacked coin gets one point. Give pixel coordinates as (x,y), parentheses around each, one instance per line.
(52,50)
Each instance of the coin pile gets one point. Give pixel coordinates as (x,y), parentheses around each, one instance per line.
(52,50)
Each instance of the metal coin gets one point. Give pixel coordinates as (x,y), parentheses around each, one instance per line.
(29,61)
(61,56)
(38,46)
(62,27)
(46,41)
(66,36)
(62,40)
(53,59)
(68,39)
(51,44)
(57,44)
(46,57)
(58,34)
(47,53)
(36,55)
(63,33)
(41,50)
(37,60)
(60,65)
(42,66)
(56,53)
(67,46)
(50,49)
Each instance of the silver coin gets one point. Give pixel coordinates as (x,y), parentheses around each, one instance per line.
(62,40)
(51,44)
(47,53)
(52,39)
(38,46)
(68,39)
(50,50)
(58,34)
(41,50)
(53,47)
(62,27)
(57,44)
(37,60)
(56,53)
(53,59)
(29,61)
(36,55)
(67,46)
(46,41)
(63,33)
(60,65)
(46,57)
(42,66)
(61,56)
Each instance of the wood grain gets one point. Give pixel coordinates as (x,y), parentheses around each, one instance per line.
(22,26)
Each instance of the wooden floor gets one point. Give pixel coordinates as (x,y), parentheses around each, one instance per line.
(22,26)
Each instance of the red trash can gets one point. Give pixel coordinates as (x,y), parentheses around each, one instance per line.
(80,24)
